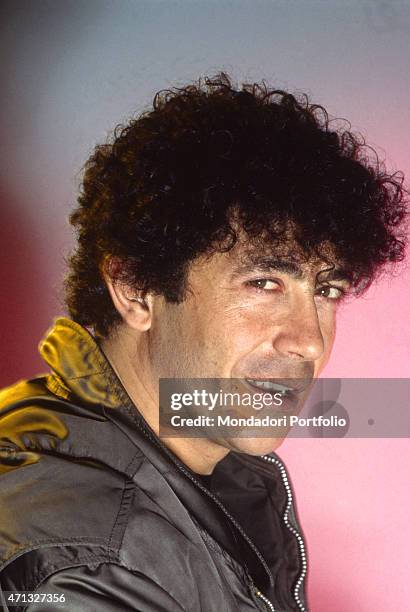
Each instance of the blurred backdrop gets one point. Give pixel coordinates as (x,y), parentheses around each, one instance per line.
(72,69)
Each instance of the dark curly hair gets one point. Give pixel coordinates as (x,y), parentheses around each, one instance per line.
(167,187)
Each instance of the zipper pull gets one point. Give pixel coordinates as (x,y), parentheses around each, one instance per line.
(269,605)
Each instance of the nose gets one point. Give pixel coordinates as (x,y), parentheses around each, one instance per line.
(300,335)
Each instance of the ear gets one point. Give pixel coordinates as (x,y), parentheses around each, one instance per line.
(134,308)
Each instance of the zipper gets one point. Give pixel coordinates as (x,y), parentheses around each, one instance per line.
(292,529)
(268,604)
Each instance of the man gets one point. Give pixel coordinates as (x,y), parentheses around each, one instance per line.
(217,235)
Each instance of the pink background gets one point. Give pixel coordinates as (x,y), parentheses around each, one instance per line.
(71,71)
(352,494)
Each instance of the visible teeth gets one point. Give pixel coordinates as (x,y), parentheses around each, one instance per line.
(270,386)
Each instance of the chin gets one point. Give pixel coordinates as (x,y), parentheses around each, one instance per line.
(254,446)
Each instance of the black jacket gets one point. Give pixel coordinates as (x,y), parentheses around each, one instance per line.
(94,508)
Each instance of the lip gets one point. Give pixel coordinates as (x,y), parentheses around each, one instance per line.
(297,385)
(292,400)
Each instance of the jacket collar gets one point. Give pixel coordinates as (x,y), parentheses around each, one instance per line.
(80,367)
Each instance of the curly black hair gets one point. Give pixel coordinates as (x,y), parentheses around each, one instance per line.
(169,184)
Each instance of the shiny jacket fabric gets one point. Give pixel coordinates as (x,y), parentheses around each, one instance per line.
(95,507)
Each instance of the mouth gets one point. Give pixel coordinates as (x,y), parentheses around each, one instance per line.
(270,386)
(285,386)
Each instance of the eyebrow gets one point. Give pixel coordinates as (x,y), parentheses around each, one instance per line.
(337,274)
(272,264)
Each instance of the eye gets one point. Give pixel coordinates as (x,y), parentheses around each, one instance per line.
(329,292)
(265,284)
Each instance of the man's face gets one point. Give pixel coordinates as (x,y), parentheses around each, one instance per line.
(248,315)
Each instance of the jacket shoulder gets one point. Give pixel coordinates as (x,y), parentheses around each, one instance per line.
(50,501)
(24,389)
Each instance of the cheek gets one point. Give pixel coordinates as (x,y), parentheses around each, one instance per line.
(252,324)
(194,339)
(327,322)
(241,325)
(227,333)
(246,330)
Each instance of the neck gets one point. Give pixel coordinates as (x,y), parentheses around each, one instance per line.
(128,356)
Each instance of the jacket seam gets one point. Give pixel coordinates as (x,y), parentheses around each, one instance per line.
(36,544)
(52,569)
(122,515)
(48,570)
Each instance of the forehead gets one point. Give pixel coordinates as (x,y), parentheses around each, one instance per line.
(286,256)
